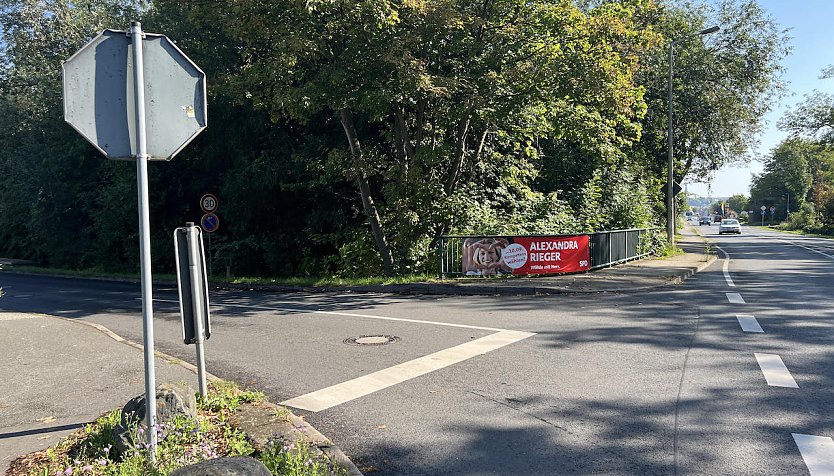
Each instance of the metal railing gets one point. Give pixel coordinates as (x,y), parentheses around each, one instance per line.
(608,248)
(618,246)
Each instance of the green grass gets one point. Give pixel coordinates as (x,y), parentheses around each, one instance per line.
(227,397)
(338,281)
(795,232)
(181,442)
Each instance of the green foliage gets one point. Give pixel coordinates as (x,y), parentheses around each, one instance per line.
(806,218)
(295,459)
(180,442)
(614,199)
(723,84)
(226,397)
(452,117)
(794,168)
(738,203)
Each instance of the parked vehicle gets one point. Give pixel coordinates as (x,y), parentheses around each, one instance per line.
(729,225)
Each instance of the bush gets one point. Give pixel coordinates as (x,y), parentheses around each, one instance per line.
(806,219)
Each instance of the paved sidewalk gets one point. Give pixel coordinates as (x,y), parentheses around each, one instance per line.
(58,375)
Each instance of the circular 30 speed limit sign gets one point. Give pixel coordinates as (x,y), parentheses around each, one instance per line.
(208,203)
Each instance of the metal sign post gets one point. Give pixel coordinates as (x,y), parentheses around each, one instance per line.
(197,270)
(119,89)
(144,238)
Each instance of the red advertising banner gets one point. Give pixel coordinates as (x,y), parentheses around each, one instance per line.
(526,255)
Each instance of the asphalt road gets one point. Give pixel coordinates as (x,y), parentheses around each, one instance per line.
(665,382)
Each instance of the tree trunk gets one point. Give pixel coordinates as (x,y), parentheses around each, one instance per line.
(460,154)
(365,192)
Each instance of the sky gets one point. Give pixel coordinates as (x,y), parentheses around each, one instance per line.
(811,24)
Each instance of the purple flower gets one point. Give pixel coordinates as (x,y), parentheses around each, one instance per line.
(68,471)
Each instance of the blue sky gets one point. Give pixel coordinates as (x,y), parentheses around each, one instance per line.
(811,24)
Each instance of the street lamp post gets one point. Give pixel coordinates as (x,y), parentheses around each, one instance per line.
(670,177)
(788,207)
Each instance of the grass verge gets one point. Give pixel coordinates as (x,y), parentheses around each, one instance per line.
(181,441)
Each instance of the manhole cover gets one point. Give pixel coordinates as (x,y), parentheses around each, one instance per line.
(371,340)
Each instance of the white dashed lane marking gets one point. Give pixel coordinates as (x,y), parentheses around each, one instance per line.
(775,372)
(817,452)
(748,323)
(735,298)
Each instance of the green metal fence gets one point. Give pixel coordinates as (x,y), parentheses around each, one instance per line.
(607,248)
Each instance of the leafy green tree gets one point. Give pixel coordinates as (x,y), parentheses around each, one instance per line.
(45,167)
(738,202)
(724,83)
(787,172)
(428,94)
(814,117)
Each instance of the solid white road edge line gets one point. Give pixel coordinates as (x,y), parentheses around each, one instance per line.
(775,372)
(735,298)
(359,387)
(748,323)
(727,268)
(807,248)
(817,452)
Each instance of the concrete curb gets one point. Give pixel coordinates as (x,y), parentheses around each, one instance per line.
(324,444)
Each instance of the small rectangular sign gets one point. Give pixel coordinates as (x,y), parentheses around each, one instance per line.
(526,255)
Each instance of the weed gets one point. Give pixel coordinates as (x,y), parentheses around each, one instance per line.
(226,397)
(295,459)
(180,442)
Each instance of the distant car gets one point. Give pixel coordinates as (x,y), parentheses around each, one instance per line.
(717,219)
(704,221)
(729,225)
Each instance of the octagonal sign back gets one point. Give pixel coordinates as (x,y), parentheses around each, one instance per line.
(99,98)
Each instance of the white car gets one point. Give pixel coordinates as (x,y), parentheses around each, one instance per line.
(729,225)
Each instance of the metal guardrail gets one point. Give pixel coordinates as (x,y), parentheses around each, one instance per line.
(607,248)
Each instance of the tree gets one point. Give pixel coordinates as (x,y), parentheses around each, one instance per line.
(724,83)
(427,94)
(45,167)
(787,173)
(738,202)
(814,117)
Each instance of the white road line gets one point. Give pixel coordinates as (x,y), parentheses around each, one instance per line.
(347,314)
(817,452)
(775,372)
(359,387)
(748,323)
(727,268)
(735,298)
(807,248)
